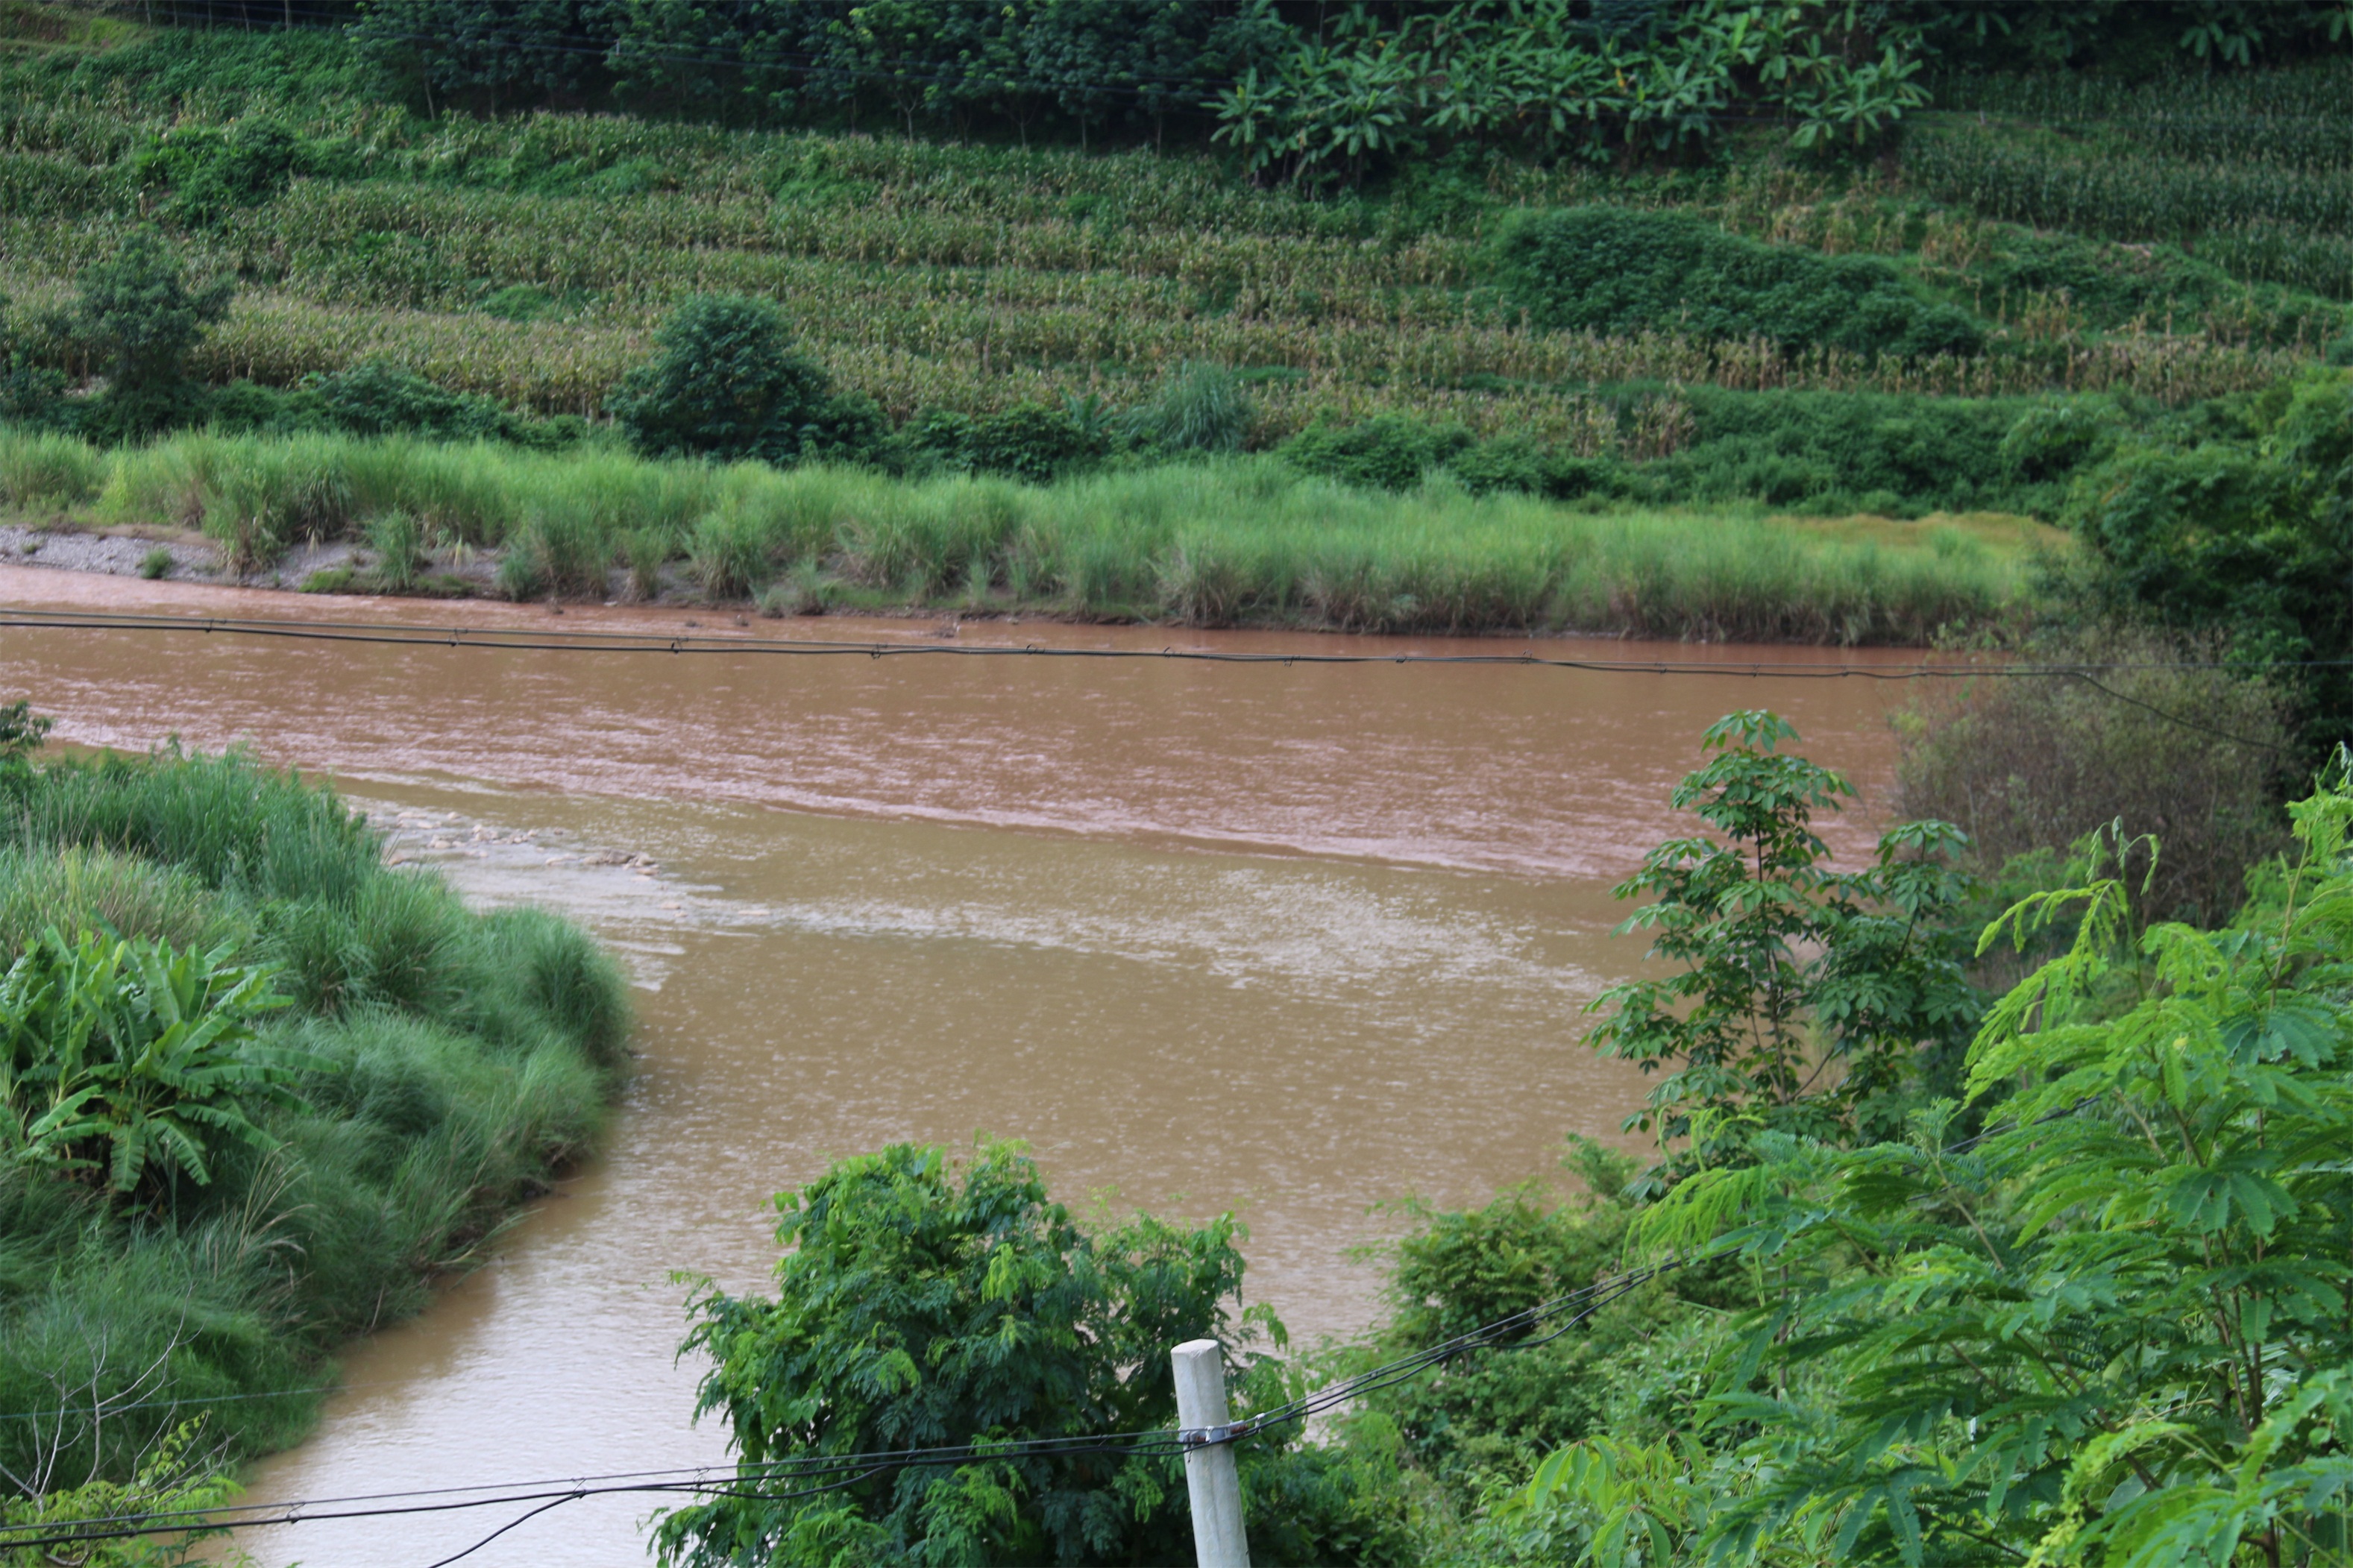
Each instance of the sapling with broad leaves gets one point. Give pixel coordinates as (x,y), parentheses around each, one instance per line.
(1809,1000)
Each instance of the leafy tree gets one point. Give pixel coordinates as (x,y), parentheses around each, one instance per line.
(127,1061)
(173,1476)
(921,1304)
(725,384)
(2241,533)
(497,53)
(2111,1329)
(28,392)
(138,312)
(1810,1001)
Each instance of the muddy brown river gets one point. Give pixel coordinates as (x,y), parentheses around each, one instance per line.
(1285,940)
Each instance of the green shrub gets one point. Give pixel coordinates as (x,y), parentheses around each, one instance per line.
(1785,964)
(137,313)
(127,1063)
(2072,1297)
(210,170)
(1621,270)
(725,384)
(1015,1323)
(1838,451)
(1390,452)
(29,392)
(378,398)
(1636,1367)
(1029,441)
(2198,756)
(2236,528)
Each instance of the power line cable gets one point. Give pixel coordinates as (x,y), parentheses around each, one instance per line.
(1516,1331)
(395,634)
(495,639)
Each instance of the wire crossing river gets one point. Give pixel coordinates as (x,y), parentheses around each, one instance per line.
(1287,940)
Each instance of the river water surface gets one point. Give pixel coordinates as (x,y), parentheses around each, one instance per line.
(1284,939)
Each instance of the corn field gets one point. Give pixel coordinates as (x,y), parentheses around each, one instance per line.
(2254,170)
(975,278)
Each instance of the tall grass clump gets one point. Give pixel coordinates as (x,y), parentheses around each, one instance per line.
(1199,407)
(443,1063)
(1227,541)
(43,468)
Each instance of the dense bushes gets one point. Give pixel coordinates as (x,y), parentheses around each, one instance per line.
(2158,734)
(2036,1341)
(1817,451)
(2232,521)
(923,1303)
(1622,270)
(725,385)
(425,1070)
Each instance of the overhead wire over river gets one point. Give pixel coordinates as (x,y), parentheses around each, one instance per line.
(1286,937)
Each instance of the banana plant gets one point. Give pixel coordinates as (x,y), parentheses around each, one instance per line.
(126,1059)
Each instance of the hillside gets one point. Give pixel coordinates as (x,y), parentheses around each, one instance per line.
(529,258)
(1738,320)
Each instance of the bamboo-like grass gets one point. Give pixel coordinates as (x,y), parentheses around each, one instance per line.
(1243,541)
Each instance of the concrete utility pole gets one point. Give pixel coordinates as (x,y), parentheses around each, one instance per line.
(1204,1423)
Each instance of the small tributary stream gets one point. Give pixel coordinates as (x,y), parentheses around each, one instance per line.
(1287,940)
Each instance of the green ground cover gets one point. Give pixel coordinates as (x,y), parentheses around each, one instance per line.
(259,1091)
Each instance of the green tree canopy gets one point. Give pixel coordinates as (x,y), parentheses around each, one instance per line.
(1809,1000)
(927,1303)
(725,384)
(138,312)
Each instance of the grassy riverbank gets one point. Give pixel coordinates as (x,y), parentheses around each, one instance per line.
(429,1070)
(1238,541)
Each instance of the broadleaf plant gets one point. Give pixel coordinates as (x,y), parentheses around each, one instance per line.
(2117,1326)
(127,1062)
(1808,1000)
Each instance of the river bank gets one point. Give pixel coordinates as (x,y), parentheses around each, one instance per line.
(265,1092)
(1235,543)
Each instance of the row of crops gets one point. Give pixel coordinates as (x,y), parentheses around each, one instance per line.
(531,259)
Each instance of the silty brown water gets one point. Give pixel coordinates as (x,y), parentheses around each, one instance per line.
(1286,940)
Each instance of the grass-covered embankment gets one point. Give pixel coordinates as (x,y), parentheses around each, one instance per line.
(1240,542)
(429,1070)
